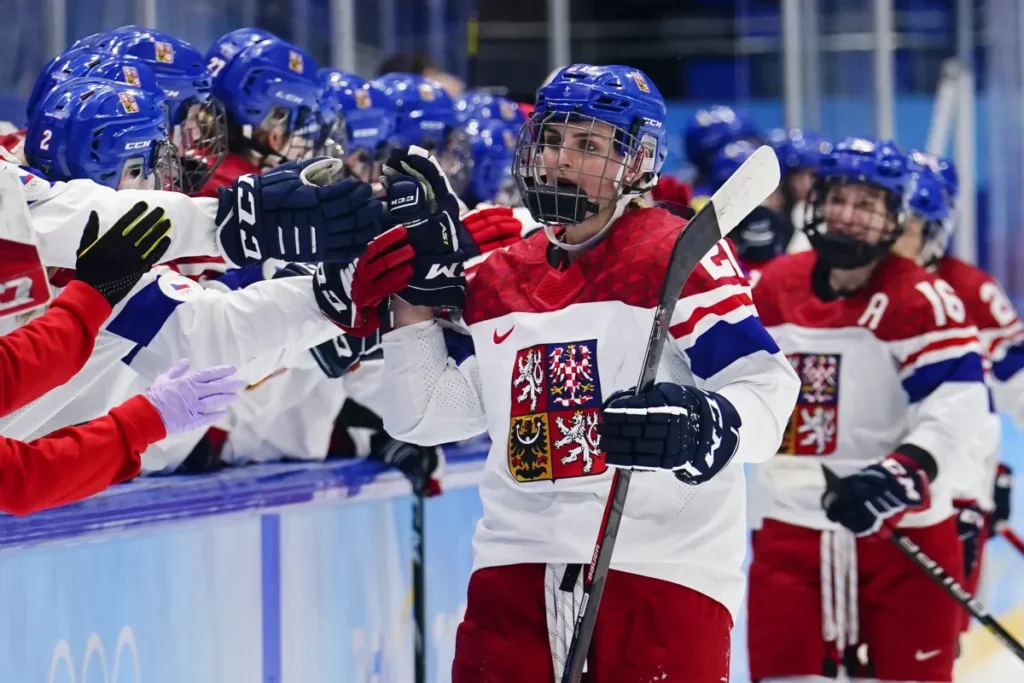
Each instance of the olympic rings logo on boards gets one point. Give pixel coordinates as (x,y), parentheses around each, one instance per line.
(94,649)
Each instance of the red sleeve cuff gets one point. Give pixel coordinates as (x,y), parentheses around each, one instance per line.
(142,424)
(86,304)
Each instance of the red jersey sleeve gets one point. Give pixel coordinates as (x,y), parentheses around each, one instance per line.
(76,462)
(51,349)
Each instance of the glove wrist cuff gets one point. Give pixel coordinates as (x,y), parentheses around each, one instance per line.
(918,458)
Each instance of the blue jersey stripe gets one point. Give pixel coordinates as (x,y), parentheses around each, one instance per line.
(460,346)
(144,314)
(927,378)
(1010,365)
(724,343)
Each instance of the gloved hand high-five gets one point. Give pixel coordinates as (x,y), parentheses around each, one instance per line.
(113,263)
(421,199)
(194,400)
(493,228)
(351,295)
(297,212)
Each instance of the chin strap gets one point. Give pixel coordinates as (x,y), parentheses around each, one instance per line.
(620,208)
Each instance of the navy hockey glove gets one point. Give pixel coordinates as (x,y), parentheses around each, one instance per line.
(1002,495)
(337,356)
(879,494)
(296,212)
(422,465)
(692,432)
(420,198)
(970,525)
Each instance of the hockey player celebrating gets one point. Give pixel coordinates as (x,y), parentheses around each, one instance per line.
(557,324)
(799,154)
(925,239)
(706,133)
(892,399)
(363,122)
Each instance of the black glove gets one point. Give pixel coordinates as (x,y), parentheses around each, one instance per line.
(420,198)
(863,501)
(297,212)
(114,263)
(692,432)
(421,464)
(970,524)
(337,356)
(1001,496)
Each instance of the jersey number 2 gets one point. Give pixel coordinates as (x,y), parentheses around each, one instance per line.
(945,303)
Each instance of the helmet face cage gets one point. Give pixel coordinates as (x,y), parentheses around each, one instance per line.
(456,159)
(301,131)
(162,170)
(200,137)
(852,221)
(569,167)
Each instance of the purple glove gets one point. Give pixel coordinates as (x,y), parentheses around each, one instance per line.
(194,400)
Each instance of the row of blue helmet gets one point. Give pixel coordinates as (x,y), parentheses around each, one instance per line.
(129,107)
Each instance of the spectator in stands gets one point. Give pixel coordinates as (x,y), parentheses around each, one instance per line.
(76,462)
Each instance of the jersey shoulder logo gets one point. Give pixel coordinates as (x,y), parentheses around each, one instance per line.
(813,428)
(556,402)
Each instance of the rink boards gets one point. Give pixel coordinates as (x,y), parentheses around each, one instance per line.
(283,574)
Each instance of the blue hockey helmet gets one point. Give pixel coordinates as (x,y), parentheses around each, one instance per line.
(477,104)
(424,111)
(728,160)
(798,150)
(227,47)
(272,97)
(196,120)
(597,135)
(711,129)
(488,173)
(109,132)
(928,200)
(72,63)
(359,118)
(850,225)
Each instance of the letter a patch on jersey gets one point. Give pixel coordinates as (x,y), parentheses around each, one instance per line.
(556,401)
(814,425)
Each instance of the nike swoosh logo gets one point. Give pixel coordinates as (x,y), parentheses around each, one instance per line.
(498,338)
(923,656)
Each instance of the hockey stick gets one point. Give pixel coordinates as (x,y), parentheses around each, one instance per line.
(1011,536)
(419,598)
(742,193)
(932,568)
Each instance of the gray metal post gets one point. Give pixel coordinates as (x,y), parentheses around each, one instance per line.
(343,35)
(559,46)
(792,64)
(966,237)
(885,126)
(145,13)
(57,29)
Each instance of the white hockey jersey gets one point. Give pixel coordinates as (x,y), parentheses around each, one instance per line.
(60,211)
(1002,341)
(547,348)
(899,362)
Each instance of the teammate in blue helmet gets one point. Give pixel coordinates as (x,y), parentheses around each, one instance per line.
(71,63)
(765,233)
(799,154)
(360,119)
(195,119)
(109,132)
(424,112)
(707,132)
(272,98)
(857,202)
(227,47)
(595,140)
(488,177)
(477,104)
(425,117)
(928,225)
